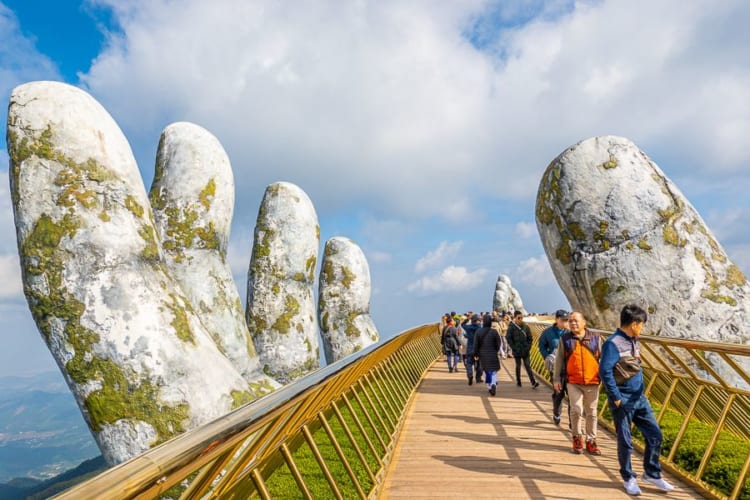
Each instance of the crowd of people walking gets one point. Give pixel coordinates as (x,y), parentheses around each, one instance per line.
(578,362)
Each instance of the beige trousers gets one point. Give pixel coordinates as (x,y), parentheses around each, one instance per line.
(583,400)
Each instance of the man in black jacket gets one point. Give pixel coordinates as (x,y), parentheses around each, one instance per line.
(520,341)
(472,365)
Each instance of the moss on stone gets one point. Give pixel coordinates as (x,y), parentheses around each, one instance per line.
(327,272)
(324,322)
(207,194)
(563,252)
(577,232)
(735,277)
(600,290)
(300,277)
(133,206)
(600,235)
(672,237)
(620,288)
(150,250)
(276,288)
(241,398)
(643,244)
(259,389)
(104,216)
(611,163)
(651,309)
(348,278)
(549,194)
(183,231)
(308,345)
(291,309)
(180,321)
(310,267)
(351,329)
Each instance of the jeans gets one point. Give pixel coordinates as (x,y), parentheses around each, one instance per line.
(558,398)
(472,366)
(643,417)
(490,378)
(527,364)
(452,358)
(583,400)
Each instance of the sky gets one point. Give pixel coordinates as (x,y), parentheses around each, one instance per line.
(420,129)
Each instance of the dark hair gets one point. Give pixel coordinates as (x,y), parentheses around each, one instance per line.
(487,321)
(517,313)
(632,313)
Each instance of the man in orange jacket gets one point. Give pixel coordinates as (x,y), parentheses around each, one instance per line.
(577,362)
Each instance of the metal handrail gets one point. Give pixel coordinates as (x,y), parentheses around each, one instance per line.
(237,454)
(679,378)
(242,453)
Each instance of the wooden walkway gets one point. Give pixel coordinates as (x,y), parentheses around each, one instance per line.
(459,442)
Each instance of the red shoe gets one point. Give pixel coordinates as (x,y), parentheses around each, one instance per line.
(577,445)
(592,448)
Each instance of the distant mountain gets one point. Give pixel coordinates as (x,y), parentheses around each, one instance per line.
(32,489)
(42,432)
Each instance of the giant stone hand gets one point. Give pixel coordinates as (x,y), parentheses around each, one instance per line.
(136,305)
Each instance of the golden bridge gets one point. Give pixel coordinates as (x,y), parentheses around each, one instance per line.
(391,422)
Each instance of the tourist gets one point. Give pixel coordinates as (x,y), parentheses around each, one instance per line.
(472,365)
(520,342)
(486,347)
(620,371)
(548,341)
(450,343)
(577,365)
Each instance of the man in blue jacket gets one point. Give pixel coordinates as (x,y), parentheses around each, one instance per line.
(472,365)
(620,371)
(548,341)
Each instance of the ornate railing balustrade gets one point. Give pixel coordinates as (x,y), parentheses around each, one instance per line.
(701,397)
(328,435)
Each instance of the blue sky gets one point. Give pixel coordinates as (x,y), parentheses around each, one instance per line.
(419,129)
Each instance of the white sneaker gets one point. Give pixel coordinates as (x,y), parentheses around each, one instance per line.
(631,486)
(658,482)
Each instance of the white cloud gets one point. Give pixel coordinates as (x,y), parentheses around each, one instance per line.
(10,277)
(445,250)
(525,229)
(380,257)
(450,279)
(21,61)
(535,271)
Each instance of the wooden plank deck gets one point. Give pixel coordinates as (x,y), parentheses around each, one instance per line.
(459,442)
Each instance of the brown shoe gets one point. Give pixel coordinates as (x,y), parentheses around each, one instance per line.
(577,445)
(592,448)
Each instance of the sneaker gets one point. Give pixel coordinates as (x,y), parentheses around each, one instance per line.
(556,419)
(592,448)
(471,380)
(518,383)
(535,384)
(658,482)
(493,389)
(479,380)
(450,369)
(577,445)
(631,486)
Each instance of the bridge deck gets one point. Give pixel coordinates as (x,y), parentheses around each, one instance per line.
(460,442)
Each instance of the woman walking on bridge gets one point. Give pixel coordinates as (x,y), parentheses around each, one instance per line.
(487,346)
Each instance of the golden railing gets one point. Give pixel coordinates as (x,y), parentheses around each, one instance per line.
(335,428)
(702,389)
